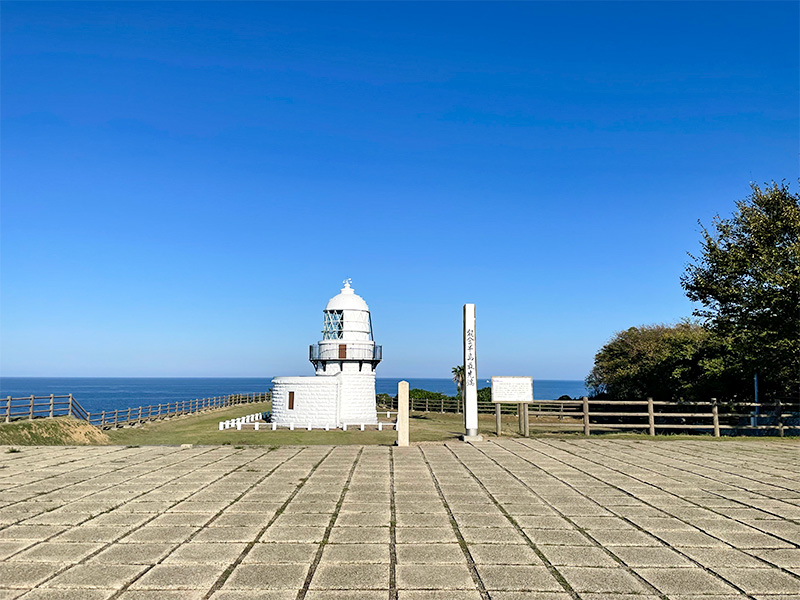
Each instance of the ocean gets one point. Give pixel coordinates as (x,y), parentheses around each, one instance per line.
(108,393)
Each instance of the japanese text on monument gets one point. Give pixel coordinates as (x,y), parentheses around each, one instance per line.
(469,367)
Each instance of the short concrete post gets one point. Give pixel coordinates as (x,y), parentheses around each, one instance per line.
(498,420)
(274,426)
(255,425)
(291,426)
(238,426)
(651,417)
(362,427)
(715,416)
(526,421)
(402,413)
(586,430)
(309,427)
(380,426)
(327,427)
(221,425)
(344,426)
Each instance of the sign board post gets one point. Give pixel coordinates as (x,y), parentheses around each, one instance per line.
(470,377)
(513,390)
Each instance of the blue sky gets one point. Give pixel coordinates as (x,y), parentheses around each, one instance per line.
(184,185)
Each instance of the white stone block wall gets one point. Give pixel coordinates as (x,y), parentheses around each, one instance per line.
(357,395)
(321,401)
(315,401)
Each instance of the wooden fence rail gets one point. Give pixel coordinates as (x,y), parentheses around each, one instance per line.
(33,407)
(642,415)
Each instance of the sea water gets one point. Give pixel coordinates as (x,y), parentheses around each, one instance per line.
(96,394)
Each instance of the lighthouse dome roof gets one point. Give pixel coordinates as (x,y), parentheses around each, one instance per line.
(347,299)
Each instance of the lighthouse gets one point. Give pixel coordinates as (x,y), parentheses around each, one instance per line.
(343,390)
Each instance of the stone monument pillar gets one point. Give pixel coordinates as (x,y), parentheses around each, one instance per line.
(470,377)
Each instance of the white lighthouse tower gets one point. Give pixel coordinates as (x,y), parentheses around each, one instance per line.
(343,390)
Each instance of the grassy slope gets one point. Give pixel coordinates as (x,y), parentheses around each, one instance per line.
(60,431)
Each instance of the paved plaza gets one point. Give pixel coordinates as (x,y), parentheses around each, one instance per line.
(537,519)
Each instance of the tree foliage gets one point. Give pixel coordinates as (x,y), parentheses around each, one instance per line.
(747,279)
(665,362)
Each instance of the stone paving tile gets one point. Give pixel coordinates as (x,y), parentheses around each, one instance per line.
(64,553)
(133,554)
(225,594)
(578,556)
(515,577)
(684,581)
(434,577)
(351,576)
(761,581)
(179,576)
(606,580)
(97,576)
(51,594)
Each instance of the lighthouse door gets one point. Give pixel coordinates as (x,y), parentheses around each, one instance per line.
(342,351)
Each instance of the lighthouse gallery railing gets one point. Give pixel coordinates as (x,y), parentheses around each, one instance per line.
(352,353)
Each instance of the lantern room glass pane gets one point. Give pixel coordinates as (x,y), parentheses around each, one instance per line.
(334,323)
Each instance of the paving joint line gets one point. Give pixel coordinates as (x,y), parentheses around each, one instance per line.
(697,504)
(733,485)
(392,530)
(476,577)
(29,498)
(301,594)
(124,535)
(641,529)
(84,522)
(550,567)
(229,570)
(580,530)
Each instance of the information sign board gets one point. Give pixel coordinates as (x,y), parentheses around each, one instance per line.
(512,390)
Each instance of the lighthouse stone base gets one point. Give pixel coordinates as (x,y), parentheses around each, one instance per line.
(324,401)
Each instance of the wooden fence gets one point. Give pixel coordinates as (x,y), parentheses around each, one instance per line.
(33,407)
(650,416)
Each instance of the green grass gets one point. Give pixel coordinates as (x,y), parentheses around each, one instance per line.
(203,429)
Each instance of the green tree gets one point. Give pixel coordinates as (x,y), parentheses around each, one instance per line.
(458,379)
(747,279)
(665,362)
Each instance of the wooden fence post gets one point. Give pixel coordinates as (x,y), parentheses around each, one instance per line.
(651,418)
(498,422)
(8,410)
(129,415)
(139,419)
(31,413)
(52,399)
(102,418)
(715,416)
(780,418)
(586,430)
(116,416)
(149,412)
(69,408)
